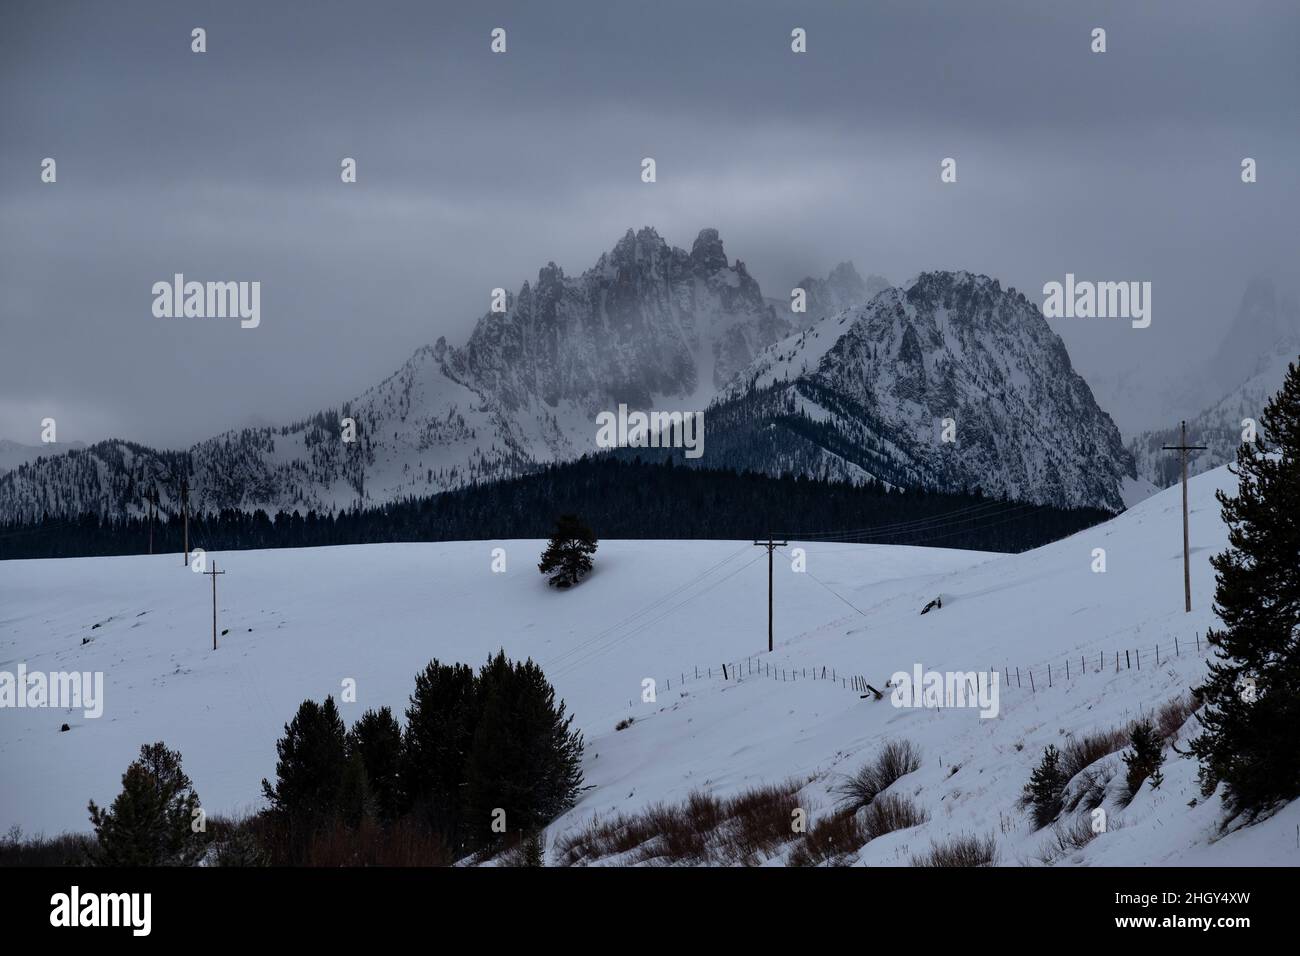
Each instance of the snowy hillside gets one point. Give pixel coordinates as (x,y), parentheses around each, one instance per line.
(301,622)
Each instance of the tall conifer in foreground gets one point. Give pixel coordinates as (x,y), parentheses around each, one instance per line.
(1252,716)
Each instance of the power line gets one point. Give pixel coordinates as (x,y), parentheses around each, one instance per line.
(653,605)
(890,526)
(599,651)
(834,592)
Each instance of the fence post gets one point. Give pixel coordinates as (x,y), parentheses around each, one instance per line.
(1067,668)
(1128,661)
(1017,676)
(724,671)
(1032,689)
(1198,642)
(1049,675)
(1138,653)
(1176,653)
(1157,653)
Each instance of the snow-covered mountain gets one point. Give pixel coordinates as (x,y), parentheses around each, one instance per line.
(658,609)
(1246,370)
(950,382)
(649,325)
(652,326)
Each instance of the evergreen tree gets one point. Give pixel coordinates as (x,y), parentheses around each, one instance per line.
(1252,694)
(525,757)
(150,823)
(238,846)
(567,558)
(309,772)
(533,851)
(1145,758)
(1046,784)
(439,728)
(356,802)
(377,738)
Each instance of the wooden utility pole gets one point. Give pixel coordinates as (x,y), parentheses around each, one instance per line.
(771,546)
(1183,448)
(214,572)
(185,512)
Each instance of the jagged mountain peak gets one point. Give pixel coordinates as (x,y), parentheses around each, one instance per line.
(864,393)
(707,254)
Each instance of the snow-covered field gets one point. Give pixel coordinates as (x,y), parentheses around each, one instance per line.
(301,622)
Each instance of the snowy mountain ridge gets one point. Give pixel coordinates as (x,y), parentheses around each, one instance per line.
(658,328)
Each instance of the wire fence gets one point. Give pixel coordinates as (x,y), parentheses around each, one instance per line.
(1050,675)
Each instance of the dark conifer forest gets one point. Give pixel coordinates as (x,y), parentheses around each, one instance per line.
(616,497)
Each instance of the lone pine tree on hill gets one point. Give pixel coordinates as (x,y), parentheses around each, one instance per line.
(1252,695)
(567,558)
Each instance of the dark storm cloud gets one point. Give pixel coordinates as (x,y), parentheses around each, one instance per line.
(476,169)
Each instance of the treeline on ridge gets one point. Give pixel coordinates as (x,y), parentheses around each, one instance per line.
(618,498)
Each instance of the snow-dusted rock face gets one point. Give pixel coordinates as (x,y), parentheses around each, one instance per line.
(867,392)
(650,325)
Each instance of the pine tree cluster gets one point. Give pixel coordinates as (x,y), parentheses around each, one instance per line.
(475,746)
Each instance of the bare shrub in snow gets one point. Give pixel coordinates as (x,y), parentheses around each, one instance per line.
(1082,752)
(833,841)
(890,812)
(703,829)
(896,759)
(963,850)
(1172,715)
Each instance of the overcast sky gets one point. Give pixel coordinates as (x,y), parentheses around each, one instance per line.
(475,169)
